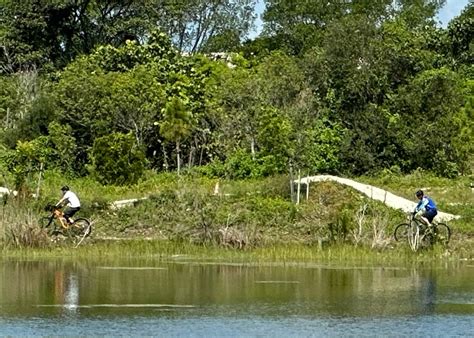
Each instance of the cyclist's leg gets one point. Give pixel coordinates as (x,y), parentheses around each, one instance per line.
(421,217)
(69,212)
(429,215)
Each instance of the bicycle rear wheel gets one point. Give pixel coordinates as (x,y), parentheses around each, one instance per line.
(443,233)
(401,232)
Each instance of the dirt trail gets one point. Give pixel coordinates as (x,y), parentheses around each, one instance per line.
(375,193)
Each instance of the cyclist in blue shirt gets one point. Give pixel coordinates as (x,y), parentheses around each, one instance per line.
(426,208)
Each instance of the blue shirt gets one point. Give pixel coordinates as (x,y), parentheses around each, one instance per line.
(426,203)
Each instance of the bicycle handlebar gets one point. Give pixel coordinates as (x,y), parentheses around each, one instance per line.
(52,207)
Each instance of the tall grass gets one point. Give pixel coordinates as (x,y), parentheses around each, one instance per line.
(19,225)
(341,254)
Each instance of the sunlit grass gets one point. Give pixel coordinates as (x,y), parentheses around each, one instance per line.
(451,195)
(260,211)
(342,255)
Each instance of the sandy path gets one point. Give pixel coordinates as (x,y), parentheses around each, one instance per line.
(375,193)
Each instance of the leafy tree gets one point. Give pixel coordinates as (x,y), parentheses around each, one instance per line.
(26,107)
(227,41)
(461,36)
(274,138)
(48,33)
(176,124)
(299,25)
(27,160)
(126,89)
(193,24)
(405,52)
(418,13)
(63,146)
(272,117)
(117,159)
(464,140)
(431,113)
(42,31)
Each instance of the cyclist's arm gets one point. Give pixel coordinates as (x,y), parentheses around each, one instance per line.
(421,204)
(61,201)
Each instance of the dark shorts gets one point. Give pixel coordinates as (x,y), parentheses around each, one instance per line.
(430,214)
(69,212)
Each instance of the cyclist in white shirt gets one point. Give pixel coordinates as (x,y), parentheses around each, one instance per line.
(73,203)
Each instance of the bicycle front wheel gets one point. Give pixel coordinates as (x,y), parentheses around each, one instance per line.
(401,232)
(49,224)
(443,233)
(45,221)
(81,227)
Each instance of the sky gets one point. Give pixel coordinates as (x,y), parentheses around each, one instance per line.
(451,9)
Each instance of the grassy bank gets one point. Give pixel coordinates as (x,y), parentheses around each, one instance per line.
(241,220)
(453,196)
(342,255)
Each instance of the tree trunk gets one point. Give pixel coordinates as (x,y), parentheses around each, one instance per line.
(178,156)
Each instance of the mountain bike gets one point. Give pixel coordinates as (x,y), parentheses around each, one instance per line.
(55,224)
(418,234)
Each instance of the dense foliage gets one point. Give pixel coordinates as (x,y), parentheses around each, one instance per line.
(349,87)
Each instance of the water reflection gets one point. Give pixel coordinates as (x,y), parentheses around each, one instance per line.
(150,288)
(66,291)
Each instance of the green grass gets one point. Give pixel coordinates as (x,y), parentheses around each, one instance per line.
(342,255)
(453,196)
(184,209)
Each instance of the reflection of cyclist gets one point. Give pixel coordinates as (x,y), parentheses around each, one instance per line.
(426,208)
(73,203)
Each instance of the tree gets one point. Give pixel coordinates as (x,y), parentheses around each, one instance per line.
(27,160)
(43,32)
(64,148)
(49,34)
(125,89)
(431,118)
(191,24)
(176,125)
(300,24)
(460,33)
(228,41)
(117,159)
(26,107)
(271,119)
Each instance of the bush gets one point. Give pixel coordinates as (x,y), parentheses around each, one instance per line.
(242,165)
(117,159)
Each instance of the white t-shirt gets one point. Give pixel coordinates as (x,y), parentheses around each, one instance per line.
(73,201)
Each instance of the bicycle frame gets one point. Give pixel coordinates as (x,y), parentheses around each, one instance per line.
(80,228)
(418,233)
(60,216)
(57,214)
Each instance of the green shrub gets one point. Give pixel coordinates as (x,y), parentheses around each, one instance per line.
(241,165)
(117,159)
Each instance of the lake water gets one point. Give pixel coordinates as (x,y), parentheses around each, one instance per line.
(185,298)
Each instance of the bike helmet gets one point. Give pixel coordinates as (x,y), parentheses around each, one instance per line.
(419,193)
(65,188)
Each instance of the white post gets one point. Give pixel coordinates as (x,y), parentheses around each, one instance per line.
(299,188)
(292,188)
(39,181)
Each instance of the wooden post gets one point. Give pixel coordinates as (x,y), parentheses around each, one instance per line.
(307,187)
